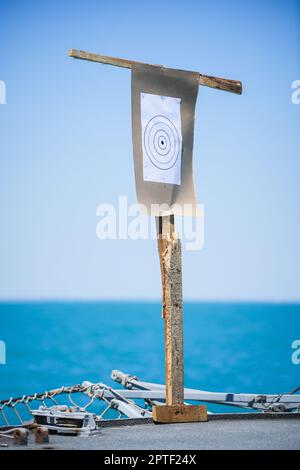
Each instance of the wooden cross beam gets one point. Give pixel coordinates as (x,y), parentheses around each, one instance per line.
(224,84)
(169,249)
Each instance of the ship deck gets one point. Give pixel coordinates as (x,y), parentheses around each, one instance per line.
(222,431)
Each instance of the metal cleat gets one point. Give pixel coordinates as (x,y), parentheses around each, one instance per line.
(41,435)
(20,437)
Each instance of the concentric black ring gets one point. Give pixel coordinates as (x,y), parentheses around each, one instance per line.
(161,142)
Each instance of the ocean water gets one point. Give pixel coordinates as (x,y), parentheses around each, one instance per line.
(229,347)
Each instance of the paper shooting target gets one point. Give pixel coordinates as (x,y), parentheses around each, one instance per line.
(162,142)
(161,138)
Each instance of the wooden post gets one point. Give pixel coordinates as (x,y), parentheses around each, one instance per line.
(169,248)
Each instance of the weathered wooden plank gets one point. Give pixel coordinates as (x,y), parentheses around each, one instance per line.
(169,248)
(179,414)
(233,86)
(224,84)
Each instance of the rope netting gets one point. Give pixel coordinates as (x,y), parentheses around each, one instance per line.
(17,411)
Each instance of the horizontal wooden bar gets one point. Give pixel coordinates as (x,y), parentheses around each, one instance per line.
(224,84)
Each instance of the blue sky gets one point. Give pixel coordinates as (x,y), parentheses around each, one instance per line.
(65,147)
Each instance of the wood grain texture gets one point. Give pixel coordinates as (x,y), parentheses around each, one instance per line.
(233,86)
(179,414)
(169,248)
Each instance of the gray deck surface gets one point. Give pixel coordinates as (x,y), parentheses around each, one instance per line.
(216,434)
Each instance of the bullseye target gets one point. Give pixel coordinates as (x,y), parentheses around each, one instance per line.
(161,138)
(162,142)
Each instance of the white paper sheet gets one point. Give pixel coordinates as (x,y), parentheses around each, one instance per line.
(161,138)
